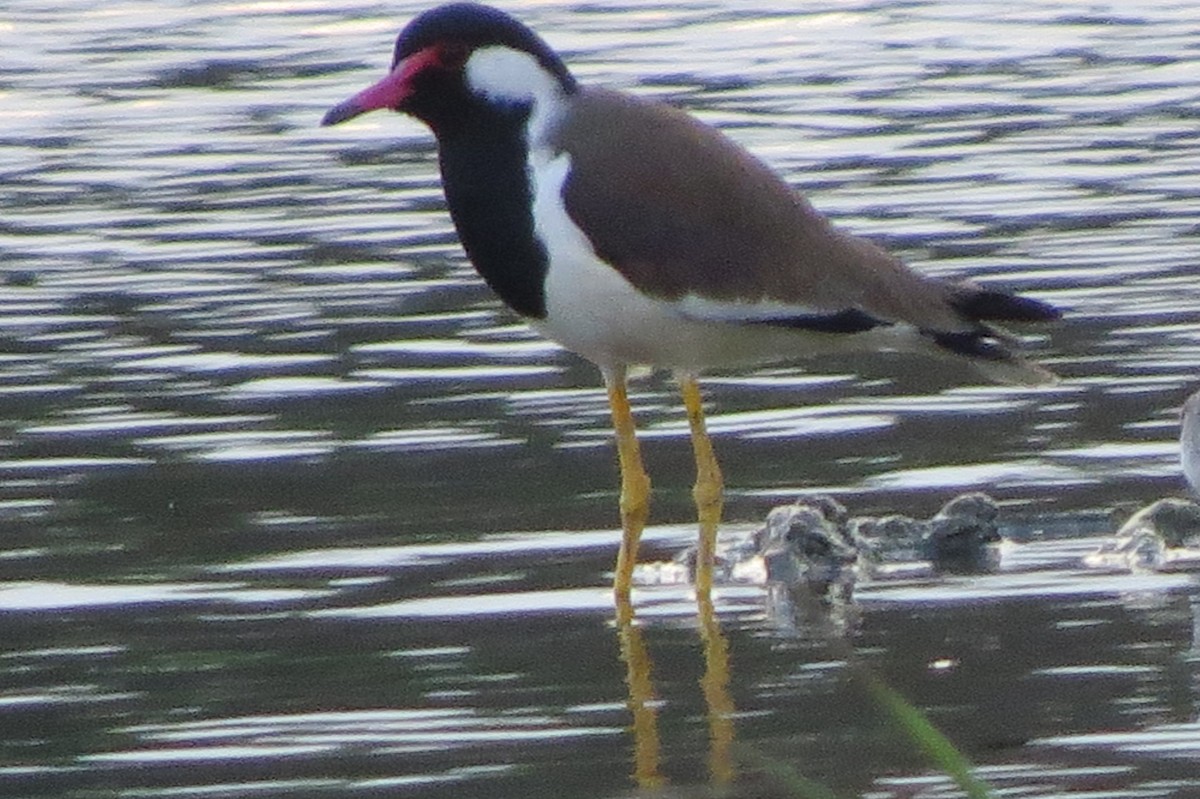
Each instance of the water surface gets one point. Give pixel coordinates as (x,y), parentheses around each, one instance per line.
(291,506)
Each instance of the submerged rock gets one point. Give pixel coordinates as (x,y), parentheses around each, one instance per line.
(805,543)
(960,538)
(816,545)
(1163,536)
(1175,521)
(893,539)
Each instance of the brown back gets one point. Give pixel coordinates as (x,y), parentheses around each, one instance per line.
(680,209)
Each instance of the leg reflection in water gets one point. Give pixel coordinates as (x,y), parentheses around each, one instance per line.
(634,498)
(642,703)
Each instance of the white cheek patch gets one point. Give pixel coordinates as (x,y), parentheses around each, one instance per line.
(508,75)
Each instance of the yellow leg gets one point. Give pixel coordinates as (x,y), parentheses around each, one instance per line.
(635,507)
(635,484)
(708,489)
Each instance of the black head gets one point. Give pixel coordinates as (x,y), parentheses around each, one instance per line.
(469,26)
(435,76)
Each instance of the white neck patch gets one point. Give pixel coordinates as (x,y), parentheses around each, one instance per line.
(507,75)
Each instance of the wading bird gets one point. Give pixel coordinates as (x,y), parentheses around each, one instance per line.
(633,234)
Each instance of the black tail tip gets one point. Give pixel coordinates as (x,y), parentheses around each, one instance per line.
(987,305)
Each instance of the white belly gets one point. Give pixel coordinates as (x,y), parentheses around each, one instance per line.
(595,312)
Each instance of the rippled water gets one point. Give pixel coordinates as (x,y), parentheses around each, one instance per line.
(290,505)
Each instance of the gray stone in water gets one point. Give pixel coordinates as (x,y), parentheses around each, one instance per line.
(815,544)
(1175,522)
(833,511)
(799,542)
(1166,533)
(976,506)
(1163,536)
(961,535)
(959,538)
(889,539)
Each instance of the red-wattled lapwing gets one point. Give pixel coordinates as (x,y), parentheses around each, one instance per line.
(633,234)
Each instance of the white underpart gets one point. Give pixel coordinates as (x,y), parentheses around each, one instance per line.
(694,306)
(590,308)
(593,311)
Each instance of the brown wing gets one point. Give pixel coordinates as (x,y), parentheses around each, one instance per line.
(680,209)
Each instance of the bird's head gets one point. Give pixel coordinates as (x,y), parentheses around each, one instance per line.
(455,58)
